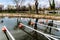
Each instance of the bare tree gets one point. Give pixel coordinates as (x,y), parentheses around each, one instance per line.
(30,9)
(52,5)
(17,2)
(36,6)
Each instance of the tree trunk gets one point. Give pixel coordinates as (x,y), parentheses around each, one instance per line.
(35,27)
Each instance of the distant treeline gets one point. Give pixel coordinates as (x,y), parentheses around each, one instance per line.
(21,10)
(13,10)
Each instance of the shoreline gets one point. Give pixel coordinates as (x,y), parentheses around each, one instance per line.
(24,15)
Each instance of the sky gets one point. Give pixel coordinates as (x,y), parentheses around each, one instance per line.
(42,3)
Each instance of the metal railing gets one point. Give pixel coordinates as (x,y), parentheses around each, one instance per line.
(7,32)
(46,35)
(51,28)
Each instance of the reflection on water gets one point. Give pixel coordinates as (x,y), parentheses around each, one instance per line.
(10,23)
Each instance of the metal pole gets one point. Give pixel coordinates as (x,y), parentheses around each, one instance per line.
(35,27)
(50,27)
(4,30)
(6,35)
(17,21)
(9,33)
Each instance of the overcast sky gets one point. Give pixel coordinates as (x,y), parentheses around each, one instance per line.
(42,3)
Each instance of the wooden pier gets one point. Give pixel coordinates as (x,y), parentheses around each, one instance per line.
(24,15)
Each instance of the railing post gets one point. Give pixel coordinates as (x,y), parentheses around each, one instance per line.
(50,27)
(17,21)
(4,30)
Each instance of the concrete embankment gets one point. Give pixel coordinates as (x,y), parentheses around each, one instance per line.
(29,16)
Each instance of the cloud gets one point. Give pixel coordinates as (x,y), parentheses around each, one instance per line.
(45,3)
(0,3)
(57,2)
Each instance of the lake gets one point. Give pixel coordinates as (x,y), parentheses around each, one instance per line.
(10,23)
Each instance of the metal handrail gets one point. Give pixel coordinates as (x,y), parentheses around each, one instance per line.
(50,27)
(46,35)
(9,33)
